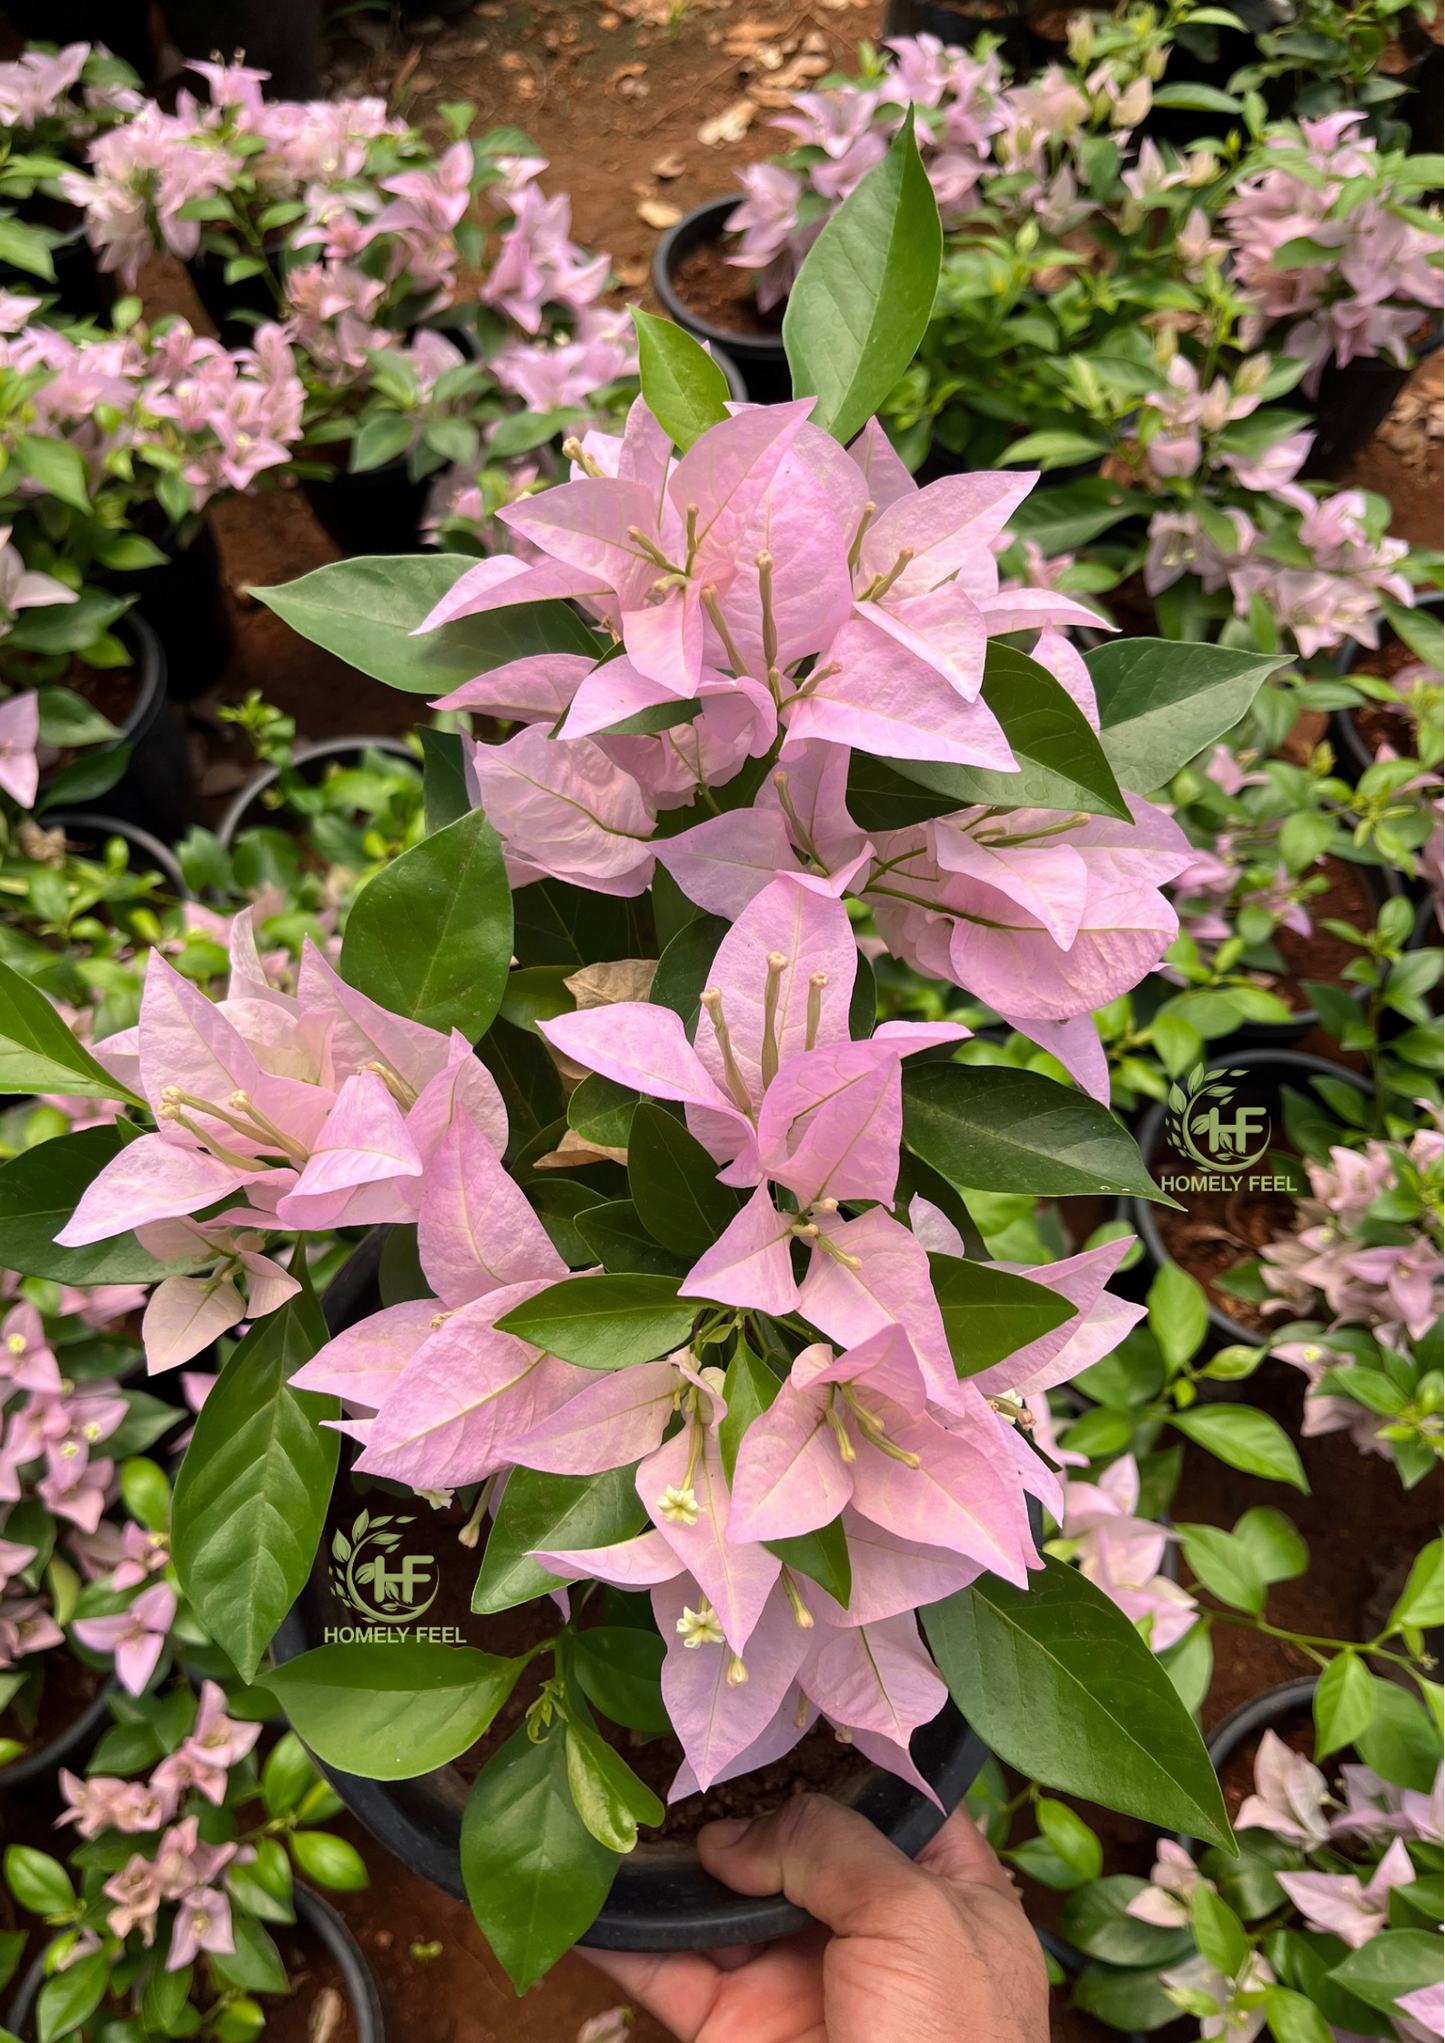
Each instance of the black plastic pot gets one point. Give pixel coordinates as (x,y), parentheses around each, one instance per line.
(245,810)
(661,1899)
(1268,1072)
(1353,403)
(759,357)
(1349,744)
(87,832)
(83,290)
(70,1749)
(225,302)
(379,510)
(312,1913)
(1258,1714)
(185,607)
(157,789)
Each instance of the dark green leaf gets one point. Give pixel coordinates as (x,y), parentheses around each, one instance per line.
(822,1556)
(38,1053)
(618,1240)
(253,1489)
(364,610)
(1161,702)
(39,1190)
(1096,1921)
(1058,1683)
(1125,1998)
(431,936)
(619,1669)
(1392,1963)
(674,1184)
(606,1322)
(601,1111)
(392,1710)
(255,1965)
(991,1129)
(988,1313)
(527,1080)
(444,781)
(535,1875)
(684,965)
(550,1512)
(71,1997)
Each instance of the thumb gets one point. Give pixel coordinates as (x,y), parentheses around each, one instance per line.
(822,1856)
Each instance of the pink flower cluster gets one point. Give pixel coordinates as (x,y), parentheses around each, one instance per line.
(785,585)
(959,106)
(1335,598)
(1394,1289)
(181,1870)
(1381,273)
(1124,1553)
(929,1473)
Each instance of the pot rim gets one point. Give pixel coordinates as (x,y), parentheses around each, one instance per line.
(1151,1126)
(164,859)
(304,755)
(325,1923)
(689,232)
(68,1744)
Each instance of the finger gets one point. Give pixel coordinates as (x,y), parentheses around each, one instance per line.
(680,1990)
(962,1856)
(827,1859)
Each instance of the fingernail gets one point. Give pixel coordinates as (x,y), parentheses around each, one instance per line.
(730,1831)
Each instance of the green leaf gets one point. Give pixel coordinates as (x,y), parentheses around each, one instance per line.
(1061,763)
(27,248)
(674,1184)
(1224,1565)
(684,965)
(38,1053)
(252,1492)
(57,466)
(1244,1438)
(38,1882)
(864,295)
(288,1776)
(618,1240)
(379,440)
(988,1313)
(1392,1963)
(1198,98)
(92,774)
(1161,702)
(1058,1683)
(330,1861)
(431,936)
(1071,1838)
(1400,1742)
(1125,1998)
(364,611)
(68,719)
(67,627)
(255,1964)
(1419,1601)
(72,1996)
(749,1388)
(547,1512)
(1293,2018)
(1277,1550)
(39,1190)
(1053,450)
(682,386)
(619,1670)
(607,1794)
(997,1130)
(1178,1314)
(444,780)
(1096,1921)
(822,1556)
(606,1322)
(1218,1932)
(535,1875)
(601,1111)
(390,1711)
(526,1078)
(1344,1703)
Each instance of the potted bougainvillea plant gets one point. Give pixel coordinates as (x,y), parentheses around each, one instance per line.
(683,1297)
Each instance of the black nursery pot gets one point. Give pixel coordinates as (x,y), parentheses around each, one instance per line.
(661,1899)
(312,1913)
(379,510)
(1268,1072)
(246,810)
(1353,403)
(223,301)
(83,290)
(760,358)
(185,607)
(87,832)
(157,790)
(70,1748)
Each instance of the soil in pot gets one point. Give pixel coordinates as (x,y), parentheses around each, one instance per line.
(318,1992)
(68,1688)
(1220,1231)
(1349,897)
(720,293)
(112,691)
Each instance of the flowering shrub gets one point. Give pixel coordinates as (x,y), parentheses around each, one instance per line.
(759,1376)
(44,125)
(164,1928)
(64,1439)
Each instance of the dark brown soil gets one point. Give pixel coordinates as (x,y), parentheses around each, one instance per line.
(111,690)
(1220,1230)
(68,1690)
(1322,955)
(1379,725)
(315,1978)
(712,287)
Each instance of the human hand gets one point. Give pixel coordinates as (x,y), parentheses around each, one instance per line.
(905,1951)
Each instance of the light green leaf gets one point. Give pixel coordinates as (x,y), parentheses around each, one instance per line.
(1420,1600)
(1392,1963)
(864,295)
(682,386)
(608,1796)
(38,1053)
(1178,1314)
(1246,1439)
(1344,1703)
